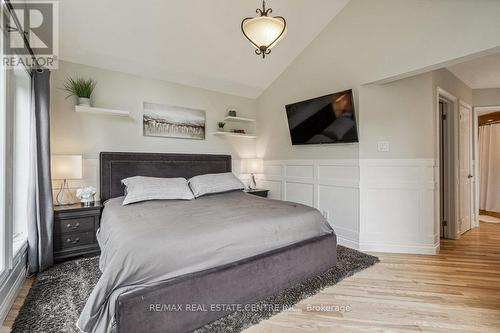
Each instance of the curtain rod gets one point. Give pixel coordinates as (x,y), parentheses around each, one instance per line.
(490,123)
(19,27)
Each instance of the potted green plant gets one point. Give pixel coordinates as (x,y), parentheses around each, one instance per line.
(221,126)
(81,88)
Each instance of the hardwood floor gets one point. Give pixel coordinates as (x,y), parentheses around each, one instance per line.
(455,291)
(14,310)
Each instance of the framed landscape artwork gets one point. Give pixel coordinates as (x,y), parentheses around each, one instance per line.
(173,121)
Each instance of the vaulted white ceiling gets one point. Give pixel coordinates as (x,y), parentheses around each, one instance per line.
(193,42)
(480,73)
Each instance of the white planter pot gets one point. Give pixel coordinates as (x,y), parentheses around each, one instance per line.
(83,101)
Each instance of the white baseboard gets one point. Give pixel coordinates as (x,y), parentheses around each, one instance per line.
(13,284)
(350,243)
(400,248)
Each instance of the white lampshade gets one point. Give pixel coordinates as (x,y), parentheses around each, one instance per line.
(264,30)
(66,166)
(253,165)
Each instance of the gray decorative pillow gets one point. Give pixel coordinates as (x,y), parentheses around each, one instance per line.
(215,183)
(149,188)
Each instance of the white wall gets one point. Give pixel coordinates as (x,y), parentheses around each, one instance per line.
(486,97)
(369,41)
(88,134)
(399,113)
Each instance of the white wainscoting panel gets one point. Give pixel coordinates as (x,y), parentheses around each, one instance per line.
(300,192)
(398,206)
(331,186)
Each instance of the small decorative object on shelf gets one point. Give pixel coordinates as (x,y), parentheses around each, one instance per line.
(86,196)
(80,88)
(221,125)
(231,112)
(239,131)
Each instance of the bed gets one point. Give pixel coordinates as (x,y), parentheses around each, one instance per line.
(174,266)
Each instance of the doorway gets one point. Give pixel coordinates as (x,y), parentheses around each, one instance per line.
(443,162)
(456,169)
(487,143)
(446,205)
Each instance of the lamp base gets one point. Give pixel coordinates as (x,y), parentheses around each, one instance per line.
(252,184)
(64,196)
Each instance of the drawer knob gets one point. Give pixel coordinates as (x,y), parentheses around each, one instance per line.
(73,227)
(73,241)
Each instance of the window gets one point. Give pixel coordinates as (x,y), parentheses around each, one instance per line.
(15,164)
(3,199)
(21,151)
(15,129)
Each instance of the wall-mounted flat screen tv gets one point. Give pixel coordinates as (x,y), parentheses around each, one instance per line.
(327,119)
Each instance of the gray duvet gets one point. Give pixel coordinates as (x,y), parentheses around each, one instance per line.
(150,242)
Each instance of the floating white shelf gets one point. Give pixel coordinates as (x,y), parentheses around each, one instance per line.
(246,120)
(102,111)
(248,136)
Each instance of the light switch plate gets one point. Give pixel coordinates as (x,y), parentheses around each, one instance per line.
(383,146)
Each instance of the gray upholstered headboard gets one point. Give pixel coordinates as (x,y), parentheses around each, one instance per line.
(117,166)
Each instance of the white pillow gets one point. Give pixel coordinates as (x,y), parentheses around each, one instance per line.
(149,188)
(215,183)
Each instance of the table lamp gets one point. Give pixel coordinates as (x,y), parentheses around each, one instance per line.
(252,166)
(65,167)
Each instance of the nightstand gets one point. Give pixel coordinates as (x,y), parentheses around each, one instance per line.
(75,229)
(258,192)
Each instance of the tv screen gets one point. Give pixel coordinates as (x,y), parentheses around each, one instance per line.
(327,119)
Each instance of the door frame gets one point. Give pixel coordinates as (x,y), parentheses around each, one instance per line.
(475,141)
(452,231)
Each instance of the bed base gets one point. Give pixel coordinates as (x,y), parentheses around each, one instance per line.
(185,303)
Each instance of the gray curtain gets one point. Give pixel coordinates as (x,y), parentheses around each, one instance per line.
(40,202)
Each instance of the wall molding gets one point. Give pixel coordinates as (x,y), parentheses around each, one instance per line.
(331,186)
(381,205)
(397,206)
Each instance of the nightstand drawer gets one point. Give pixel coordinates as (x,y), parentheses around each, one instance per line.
(65,241)
(81,224)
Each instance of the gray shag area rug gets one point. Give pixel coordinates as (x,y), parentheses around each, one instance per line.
(55,300)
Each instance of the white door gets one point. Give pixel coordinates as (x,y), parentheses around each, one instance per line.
(465,173)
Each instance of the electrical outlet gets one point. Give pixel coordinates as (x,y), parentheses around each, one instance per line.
(383,146)
(326,214)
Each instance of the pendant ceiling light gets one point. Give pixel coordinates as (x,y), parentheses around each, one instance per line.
(264,31)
